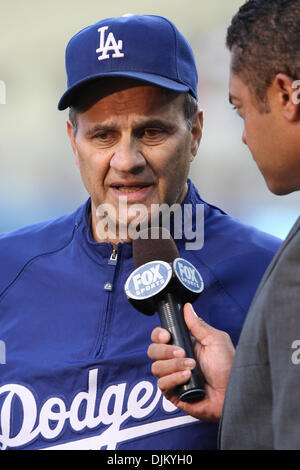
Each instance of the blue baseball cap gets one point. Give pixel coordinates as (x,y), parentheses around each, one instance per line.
(143,47)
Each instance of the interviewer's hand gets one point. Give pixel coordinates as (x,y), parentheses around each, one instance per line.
(213,350)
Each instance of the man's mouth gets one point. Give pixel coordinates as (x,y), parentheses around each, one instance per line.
(130,188)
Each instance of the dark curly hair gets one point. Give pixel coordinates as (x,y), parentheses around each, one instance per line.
(264,38)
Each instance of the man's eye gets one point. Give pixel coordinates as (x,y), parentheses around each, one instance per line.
(102,136)
(152,134)
(239,111)
(105,136)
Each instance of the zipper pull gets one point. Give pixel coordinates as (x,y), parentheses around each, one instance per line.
(112,263)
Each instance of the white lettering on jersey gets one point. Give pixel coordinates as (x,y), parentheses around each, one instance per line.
(109,413)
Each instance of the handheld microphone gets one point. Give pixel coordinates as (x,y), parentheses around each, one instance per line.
(163,282)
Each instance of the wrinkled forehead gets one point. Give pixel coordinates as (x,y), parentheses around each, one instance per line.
(120,92)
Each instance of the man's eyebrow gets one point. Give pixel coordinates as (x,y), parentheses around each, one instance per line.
(232,97)
(99,128)
(154,123)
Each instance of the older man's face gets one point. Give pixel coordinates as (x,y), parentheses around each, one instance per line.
(135,142)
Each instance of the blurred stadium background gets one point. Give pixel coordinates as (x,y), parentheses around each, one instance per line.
(38,175)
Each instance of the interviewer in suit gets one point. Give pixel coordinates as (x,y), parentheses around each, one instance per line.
(261,379)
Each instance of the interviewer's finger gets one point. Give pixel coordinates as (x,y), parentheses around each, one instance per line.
(160,352)
(171,366)
(169,382)
(198,327)
(160,335)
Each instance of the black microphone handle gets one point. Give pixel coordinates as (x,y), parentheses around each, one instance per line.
(171,317)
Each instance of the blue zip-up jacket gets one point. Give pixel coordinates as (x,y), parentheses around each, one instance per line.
(74,372)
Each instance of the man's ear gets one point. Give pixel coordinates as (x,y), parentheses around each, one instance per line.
(285,89)
(196,133)
(70,130)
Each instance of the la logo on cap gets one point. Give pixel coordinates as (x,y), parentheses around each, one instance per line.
(110,45)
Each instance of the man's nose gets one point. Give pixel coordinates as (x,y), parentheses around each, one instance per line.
(244,138)
(128,157)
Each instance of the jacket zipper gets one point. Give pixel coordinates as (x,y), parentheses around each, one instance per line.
(112,264)
(108,287)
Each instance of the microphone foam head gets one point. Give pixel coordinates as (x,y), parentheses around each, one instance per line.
(154,244)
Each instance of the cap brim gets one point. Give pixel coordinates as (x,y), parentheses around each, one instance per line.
(68,97)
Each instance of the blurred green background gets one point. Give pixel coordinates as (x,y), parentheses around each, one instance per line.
(39,178)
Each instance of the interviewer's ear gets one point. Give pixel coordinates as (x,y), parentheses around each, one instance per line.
(196,132)
(288,96)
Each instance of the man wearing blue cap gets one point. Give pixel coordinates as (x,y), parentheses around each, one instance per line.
(77,375)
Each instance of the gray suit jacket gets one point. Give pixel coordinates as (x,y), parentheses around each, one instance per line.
(262,403)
